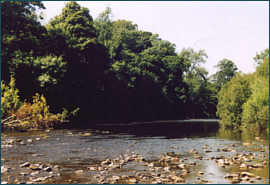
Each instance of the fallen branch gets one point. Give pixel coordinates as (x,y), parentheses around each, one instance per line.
(14,121)
(7,119)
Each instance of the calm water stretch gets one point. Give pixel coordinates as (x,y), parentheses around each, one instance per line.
(195,152)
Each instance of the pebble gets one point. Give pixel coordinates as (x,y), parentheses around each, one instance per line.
(27,164)
(35,167)
(4,169)
(200,172)
(132,180)
(79,171)
(48,169)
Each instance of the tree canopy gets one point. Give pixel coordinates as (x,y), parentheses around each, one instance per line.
(114,72)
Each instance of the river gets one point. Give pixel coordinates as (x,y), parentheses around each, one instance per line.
(142,153)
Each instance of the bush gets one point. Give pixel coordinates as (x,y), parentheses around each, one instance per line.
(10,101)
(25,115)
(231,97)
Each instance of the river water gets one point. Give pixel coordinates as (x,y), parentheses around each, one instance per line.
(78,149)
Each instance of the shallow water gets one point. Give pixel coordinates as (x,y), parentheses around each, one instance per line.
(72,151)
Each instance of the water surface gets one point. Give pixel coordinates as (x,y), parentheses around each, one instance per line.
(72,151)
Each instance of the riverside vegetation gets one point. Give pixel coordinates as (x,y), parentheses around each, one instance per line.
(110,71)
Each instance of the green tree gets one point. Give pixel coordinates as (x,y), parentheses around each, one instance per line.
(226,71)
(20,31)
(259,58)
(231,97)
(74,38)
(256,109)
(195,76)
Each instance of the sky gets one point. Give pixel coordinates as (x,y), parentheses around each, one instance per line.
(235,30)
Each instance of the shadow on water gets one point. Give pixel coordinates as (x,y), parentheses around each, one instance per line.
(169,130)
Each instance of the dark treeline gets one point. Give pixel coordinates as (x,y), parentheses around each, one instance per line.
(110,70)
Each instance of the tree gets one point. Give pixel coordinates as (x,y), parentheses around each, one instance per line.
(231,97)
(195,76)
(243,102)
(259,58)
(256,109)
(74,38)
(20,31)
(226,71)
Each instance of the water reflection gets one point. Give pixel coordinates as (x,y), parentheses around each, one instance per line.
(168,130)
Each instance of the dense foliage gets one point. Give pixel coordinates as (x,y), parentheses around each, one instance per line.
(23,115)
(244,101)
(111,70)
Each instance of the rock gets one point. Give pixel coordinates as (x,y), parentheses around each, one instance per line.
(57,167)
(170,153)
(108,161)
(92,168)
(243,166)
(29,141)
(182,165)
(246,178)
(246,144)
(246,160)
(258,178)
(247,174)
(85,134)
(17,140)
(27,164)
(167,168)
(4,182)
(226,150)
(205,146)
(132,180)
(48,169)
(205,181)
(39,179)
(221,162)
(117,178)
(258,138)
(185,171)
(200,172)
(175,159)
(257,166)
(177,179)
(4,169)
(79,171)
(35,167)
(191,163)
(232,175)
(193,151)
(235,181)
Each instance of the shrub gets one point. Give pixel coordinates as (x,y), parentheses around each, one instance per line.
(26,115)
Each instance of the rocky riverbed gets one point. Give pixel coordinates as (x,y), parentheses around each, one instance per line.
(102,157)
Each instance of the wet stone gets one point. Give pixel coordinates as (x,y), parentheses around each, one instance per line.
(48,169)
(27,164)
(35,167)
(79,171)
